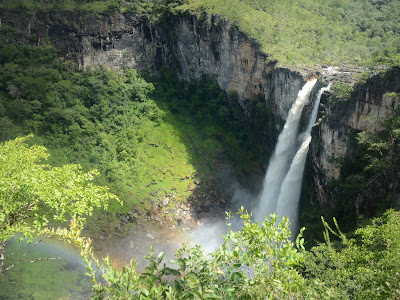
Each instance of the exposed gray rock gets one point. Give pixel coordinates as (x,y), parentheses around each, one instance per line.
(370,103)
(195,46)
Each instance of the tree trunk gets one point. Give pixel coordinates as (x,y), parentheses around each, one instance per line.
(2,247)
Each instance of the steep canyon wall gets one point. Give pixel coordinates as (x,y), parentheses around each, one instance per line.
(190,45)
(369,104)
(197,45)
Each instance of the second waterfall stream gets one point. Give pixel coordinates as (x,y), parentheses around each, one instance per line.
(282,183)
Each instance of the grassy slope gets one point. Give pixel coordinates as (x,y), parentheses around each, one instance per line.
(145,149)
(307,32)
(297,33)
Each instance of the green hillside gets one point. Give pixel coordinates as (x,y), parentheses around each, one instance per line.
(308,33)
(298,33)
(145,147)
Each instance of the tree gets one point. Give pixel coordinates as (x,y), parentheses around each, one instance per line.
(366,266)
(33,194)
(257,262)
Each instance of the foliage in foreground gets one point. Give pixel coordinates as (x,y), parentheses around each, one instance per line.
(366,266)
(260,262)
(33,194)
(255,262)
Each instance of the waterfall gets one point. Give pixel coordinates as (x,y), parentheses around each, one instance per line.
(290,191)
(283,154)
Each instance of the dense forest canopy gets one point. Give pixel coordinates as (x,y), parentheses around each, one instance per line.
(154,139)
(297,33)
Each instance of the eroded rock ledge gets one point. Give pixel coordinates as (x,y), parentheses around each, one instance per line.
(211,45)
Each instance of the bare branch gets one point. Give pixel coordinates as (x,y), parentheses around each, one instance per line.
(29,261)
(41,259)
(21,258)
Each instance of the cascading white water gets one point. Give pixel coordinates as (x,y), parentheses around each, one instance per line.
(290,190)
(284,152)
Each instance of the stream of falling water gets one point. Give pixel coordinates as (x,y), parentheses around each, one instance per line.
(283,155)
(289,196)
(282,186)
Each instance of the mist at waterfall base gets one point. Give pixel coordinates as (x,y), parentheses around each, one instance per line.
(209,234)
(281,191)
(282,182)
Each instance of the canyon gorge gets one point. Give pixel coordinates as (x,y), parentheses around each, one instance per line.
(315,120)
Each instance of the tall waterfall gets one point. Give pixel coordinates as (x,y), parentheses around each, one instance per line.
(282,157)
(290,191)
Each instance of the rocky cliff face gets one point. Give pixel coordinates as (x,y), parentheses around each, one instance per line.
(193,46)
(368,105)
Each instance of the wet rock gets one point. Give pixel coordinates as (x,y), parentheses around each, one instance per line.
(205,208)
(124,219)
(165,201)
(185,207)
(149,235)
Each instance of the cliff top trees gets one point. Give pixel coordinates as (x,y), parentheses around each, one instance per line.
(33,194)
(299,33)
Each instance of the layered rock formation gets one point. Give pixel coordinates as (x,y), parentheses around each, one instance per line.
(368,105)
(194,46)
(190,45)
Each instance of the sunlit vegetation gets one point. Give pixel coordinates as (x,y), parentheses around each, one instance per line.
(301,33)
(316,32)
(252,262)
(95,118)
(152,136)
(261,262)
(145,149)
(33,197)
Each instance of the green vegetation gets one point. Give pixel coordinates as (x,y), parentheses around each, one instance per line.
(59,278)
(33,194)
(363,267)
(367,185)
(310,32)
(342,90)
(257,261)
(217,116)
(260,262)
(95,118)
(301,33)
(144,149)
(78,5)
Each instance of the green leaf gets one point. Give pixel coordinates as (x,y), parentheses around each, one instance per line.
(169,271)
(160,257)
